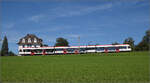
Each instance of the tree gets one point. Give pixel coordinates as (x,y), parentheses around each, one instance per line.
(11,53)
(61,42)
(146,38)
(4,49)
(115,43)
(144,45)
(129,41)
(97,44)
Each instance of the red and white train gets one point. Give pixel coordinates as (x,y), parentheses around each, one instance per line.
(32,45)
(48,50)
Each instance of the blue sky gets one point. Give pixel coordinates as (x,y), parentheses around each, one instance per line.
(102,22)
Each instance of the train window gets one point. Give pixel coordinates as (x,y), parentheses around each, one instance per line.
(129,46)
(122,47)
(39,51)
(70,49)
(59,49)
(111,48)
(28,50)
(49,50)
(100,48)
(90,48)
(82,49)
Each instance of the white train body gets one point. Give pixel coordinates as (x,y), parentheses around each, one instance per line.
(72,49)
(32,45)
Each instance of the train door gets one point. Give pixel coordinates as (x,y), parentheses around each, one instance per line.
(32,52)
(65,51)
(44,53)
(76,51)
(106,50)
(117,49)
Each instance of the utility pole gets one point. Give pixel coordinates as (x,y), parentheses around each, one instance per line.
(149,44)
(79,42)
(90,43)
(0,41)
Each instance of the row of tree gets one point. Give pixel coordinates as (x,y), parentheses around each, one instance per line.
(144,45)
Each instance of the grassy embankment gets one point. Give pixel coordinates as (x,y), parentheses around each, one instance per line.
(127,67)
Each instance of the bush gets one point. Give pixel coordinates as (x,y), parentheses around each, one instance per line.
(11,54)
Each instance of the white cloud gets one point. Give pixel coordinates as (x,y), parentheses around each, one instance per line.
(68,11)
(74,35)
(8,25)
(99,7)
(36,18)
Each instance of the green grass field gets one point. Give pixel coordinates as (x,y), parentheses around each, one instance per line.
(128,67)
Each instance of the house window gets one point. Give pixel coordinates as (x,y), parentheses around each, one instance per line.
(29,45)
(23,40)
(35,40)
(29,40)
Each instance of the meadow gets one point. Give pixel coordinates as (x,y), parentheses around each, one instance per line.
(125,67)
